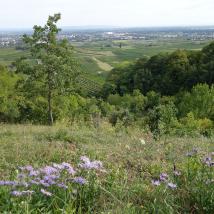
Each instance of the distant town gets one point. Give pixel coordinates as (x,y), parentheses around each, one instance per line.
(13,38)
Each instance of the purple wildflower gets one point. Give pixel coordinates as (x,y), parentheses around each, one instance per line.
(21,176)
(8,183)
(50,179)
(208,161)
(71,171)
(34,173)
(156,182)
(1,183)
(35,182)
(97,164)
(16,193)
(49,170)
(80,180)
(58,166)
(163,177)
(44,183)
(172,186)
(87,164)
(66,165)
(46,192)
(29,168)
(84,159)
(62,185)
(21,193)
(68,168)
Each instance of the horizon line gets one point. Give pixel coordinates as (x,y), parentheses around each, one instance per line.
(108,27)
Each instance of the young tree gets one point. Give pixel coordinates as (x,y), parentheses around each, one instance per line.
(51,65)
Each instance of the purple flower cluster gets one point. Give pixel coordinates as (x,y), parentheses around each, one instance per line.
(49,177)
(8,183)
(80,180)
(164,178)
(171,185)
(88,164)
(156,182)
(209,161)
(22,193)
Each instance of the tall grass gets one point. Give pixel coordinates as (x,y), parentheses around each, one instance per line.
(132,180)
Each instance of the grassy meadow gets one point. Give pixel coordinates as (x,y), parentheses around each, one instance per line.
(138,174)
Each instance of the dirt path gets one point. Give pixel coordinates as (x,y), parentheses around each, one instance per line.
(103,65)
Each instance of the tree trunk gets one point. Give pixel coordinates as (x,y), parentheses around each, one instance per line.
(50,113)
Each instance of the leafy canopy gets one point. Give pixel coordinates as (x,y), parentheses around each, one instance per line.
(51,70)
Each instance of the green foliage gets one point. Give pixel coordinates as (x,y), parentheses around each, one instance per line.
(8,97)
(192,126)
(51,67)
(164,73)
(162,119)
(167,119)
(200,101)
(59,135)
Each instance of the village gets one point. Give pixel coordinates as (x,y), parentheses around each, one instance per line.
(13,38)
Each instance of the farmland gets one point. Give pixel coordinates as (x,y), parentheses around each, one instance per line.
(97,58)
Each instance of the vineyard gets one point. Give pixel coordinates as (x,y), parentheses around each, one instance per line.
(88,86)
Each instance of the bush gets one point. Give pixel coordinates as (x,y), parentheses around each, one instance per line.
(200,101)
(162,119)
(190,126)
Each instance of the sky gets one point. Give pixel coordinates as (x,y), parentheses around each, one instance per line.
(118,13)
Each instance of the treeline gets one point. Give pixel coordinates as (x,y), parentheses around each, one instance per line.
(186,113)
(164,73)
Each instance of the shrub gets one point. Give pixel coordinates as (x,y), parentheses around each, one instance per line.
(192,126)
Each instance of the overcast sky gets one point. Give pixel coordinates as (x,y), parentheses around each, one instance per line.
(26,13)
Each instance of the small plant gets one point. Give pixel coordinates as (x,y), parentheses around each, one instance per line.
(60,135)
(192,187)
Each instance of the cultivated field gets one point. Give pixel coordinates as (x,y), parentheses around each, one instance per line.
(97,58)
